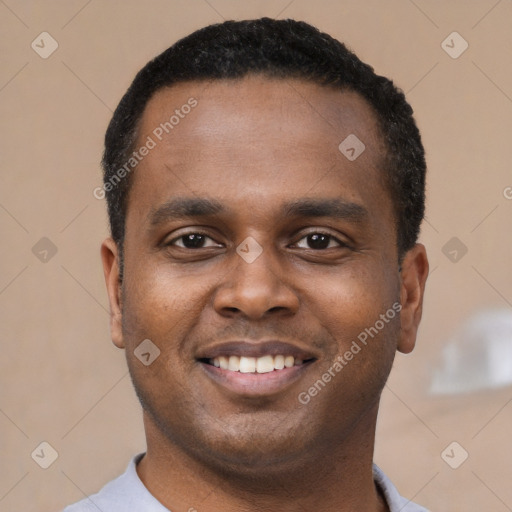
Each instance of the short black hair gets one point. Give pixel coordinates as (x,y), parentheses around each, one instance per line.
(277,49)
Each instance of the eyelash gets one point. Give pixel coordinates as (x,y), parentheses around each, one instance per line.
(172,242)
(331,238)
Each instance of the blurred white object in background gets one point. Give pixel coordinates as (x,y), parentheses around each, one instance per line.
(478,356)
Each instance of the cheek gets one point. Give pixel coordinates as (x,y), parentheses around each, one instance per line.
(352,299)
(357,312)
(158,302)
(163,310)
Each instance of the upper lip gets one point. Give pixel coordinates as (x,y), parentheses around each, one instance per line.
(253,348)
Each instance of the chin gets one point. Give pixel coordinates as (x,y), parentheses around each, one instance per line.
(252,451)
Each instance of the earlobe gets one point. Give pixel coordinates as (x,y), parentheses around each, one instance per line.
(413,277)
(110,260)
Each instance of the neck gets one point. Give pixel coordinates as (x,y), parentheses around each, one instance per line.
(337,478)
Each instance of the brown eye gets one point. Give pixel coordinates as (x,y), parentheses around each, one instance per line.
(194,241)
(318,241)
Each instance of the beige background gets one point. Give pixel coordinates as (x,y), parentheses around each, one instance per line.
(63,382)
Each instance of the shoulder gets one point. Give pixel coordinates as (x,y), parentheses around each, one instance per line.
(396,503)
(110,498)
(126,492)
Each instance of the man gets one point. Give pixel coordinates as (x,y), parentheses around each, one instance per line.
(265,191)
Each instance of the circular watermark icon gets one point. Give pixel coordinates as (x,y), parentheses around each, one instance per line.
(507,192)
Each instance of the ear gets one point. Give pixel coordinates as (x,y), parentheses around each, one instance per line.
(110,260)
(413,276)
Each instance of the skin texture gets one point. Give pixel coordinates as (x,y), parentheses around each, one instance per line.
(254,145)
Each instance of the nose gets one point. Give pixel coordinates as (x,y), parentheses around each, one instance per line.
(256,289)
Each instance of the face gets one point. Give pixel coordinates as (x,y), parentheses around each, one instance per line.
(257,257)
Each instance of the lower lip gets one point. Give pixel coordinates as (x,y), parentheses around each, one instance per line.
(256,384)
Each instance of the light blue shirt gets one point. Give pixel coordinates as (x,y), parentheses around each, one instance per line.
(127,493)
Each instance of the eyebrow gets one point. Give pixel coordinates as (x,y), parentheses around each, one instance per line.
(335,208)
(183,207)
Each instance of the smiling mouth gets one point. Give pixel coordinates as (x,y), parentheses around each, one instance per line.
(256,368)
(264,364)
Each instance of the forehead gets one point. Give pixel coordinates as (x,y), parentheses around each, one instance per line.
(271,105)
(259,137)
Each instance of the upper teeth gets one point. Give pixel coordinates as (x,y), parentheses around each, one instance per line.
(262,364)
